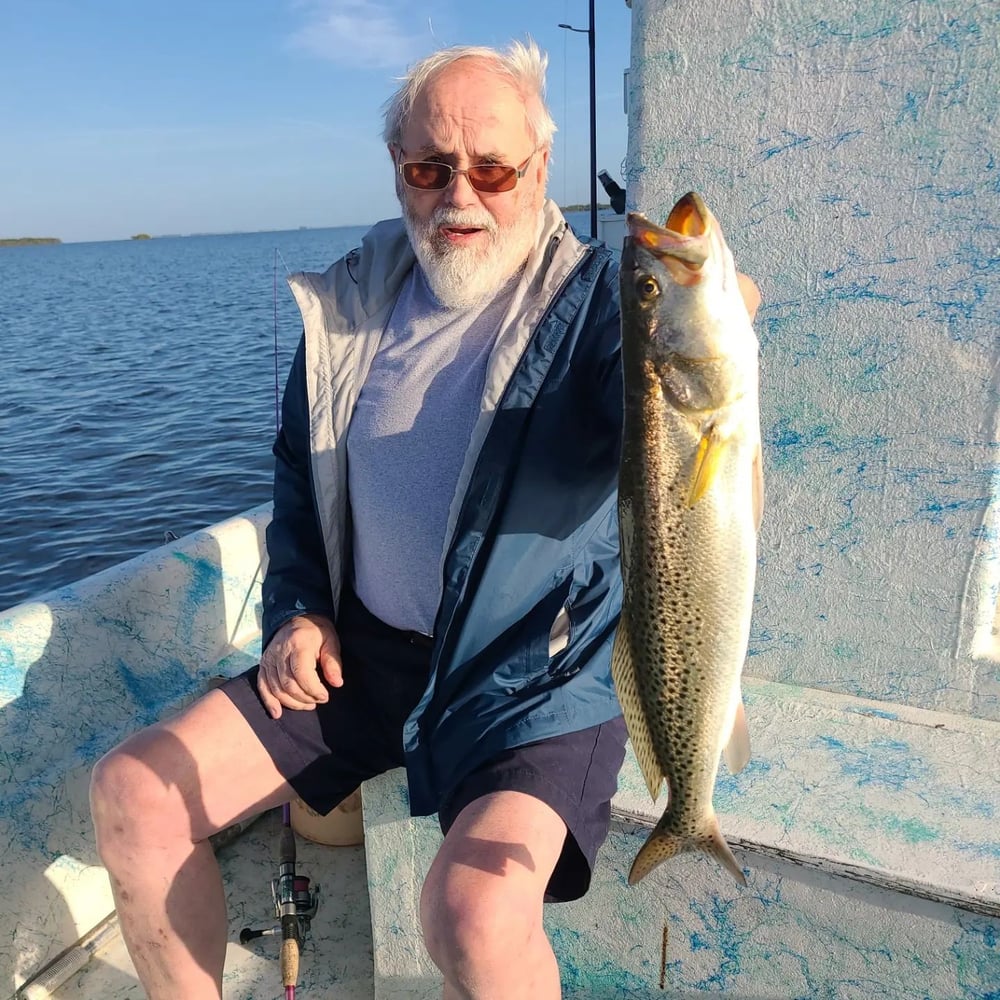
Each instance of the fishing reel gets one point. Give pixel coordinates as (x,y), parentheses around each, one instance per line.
(297,898)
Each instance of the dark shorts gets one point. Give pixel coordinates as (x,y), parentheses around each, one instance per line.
(325,754)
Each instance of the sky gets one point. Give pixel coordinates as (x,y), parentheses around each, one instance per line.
(120,117)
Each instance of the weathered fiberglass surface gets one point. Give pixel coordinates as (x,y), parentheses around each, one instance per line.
(850,153)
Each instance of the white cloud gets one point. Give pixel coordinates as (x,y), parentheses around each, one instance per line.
(357,33)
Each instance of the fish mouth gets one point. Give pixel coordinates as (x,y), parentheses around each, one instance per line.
(689,217)
(682,243)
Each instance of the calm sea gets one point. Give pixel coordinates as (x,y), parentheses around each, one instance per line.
(138,391)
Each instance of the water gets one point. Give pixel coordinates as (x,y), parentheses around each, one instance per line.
(138,392)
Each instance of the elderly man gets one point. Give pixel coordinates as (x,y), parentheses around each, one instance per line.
(443,584)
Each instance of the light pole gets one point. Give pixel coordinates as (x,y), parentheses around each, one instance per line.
(593,120)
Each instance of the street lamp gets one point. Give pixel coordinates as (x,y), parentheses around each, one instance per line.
(593,120)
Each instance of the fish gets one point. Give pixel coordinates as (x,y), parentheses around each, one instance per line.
(690,500)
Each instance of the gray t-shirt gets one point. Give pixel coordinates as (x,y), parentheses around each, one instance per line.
(406,445)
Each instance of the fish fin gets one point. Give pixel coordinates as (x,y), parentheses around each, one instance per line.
(659,847)
(623,673)
(662,845)
(758,487)
(712,842)
(706,463)
(738,748)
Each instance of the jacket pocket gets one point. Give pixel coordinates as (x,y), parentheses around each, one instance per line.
(559,634)
(538,643)
(548,662)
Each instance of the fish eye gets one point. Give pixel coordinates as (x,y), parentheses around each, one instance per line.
(647,287)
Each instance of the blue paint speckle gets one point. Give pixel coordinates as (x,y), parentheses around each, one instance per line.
(884,763)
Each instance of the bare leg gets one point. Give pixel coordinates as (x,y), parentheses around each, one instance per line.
(156,799)
(481,906)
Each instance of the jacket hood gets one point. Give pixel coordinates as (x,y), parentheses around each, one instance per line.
(380,264)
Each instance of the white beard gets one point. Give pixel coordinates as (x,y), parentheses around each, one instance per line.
(461,277)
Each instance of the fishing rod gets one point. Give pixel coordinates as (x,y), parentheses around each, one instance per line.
(295,902)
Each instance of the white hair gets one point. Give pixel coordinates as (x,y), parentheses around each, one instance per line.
(522,66)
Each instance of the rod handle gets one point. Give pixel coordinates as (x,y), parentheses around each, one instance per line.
(289,962)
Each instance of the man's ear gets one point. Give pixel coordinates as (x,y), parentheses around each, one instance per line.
(542,165)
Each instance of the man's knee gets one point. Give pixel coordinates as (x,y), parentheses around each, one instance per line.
(472,926)
(130,799)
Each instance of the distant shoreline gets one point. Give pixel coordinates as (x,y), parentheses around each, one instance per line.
(29,241)
(24,241)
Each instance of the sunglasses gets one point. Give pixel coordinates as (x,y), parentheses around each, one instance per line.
(487,178)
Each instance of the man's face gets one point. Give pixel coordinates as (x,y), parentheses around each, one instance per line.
(470,242)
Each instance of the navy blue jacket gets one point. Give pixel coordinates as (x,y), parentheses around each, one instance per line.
(537,532)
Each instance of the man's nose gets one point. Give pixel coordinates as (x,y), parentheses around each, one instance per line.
(460,192)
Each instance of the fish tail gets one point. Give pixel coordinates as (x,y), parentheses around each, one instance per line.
(659,847)
(715,845)
(663,844)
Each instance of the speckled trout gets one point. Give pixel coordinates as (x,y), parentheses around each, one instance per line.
(690,499)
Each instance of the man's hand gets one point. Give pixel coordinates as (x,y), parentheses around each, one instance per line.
(290,667)
(750,293)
